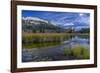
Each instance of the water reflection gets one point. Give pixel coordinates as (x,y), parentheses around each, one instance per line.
(56,52)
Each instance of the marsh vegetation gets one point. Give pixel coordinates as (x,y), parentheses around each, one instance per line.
(54,46)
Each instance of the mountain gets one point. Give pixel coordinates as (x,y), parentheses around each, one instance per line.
(34,19)
(34,24)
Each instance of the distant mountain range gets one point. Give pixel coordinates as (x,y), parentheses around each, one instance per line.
(35,24)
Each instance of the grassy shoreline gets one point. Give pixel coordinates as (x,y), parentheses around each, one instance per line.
(47,39)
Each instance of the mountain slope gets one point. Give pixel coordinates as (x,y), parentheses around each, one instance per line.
(34,24)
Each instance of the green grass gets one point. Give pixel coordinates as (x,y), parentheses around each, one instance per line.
(78,52)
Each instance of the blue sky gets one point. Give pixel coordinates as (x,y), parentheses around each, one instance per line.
(61,18)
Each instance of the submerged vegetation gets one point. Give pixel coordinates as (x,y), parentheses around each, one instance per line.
(78,52)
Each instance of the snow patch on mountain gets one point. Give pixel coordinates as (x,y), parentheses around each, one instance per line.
(34,18)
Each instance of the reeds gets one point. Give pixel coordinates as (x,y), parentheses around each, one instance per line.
(78,52)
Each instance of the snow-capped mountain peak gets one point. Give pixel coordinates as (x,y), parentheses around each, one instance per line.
(34,18)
